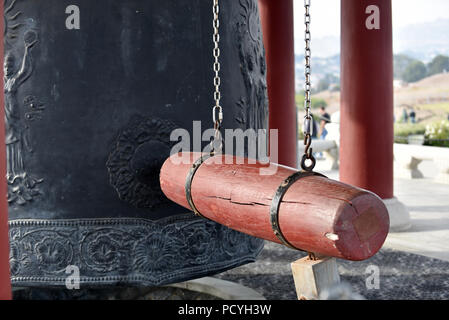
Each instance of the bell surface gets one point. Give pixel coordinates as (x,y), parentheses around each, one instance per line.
(90,105)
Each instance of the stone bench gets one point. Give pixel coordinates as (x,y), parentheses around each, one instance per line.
(408,157)
(328,147)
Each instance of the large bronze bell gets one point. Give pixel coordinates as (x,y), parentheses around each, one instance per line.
(89,112)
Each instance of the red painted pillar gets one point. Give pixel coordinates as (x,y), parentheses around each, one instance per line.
(366,146)
(278,34)
(5,283)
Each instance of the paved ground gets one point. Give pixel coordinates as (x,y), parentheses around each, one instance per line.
(402,276)
(428,204)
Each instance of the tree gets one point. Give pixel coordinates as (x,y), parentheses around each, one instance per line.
(415,72)
(401,62)
(335,88)
(326,82)
(323,85)
(439,64)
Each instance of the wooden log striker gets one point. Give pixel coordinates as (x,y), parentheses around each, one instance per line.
(315,214)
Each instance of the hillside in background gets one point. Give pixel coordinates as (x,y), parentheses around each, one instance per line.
(406,68)
(428,97)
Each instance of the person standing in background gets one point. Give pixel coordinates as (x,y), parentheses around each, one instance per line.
(412,116)
(325,118)
(404,116)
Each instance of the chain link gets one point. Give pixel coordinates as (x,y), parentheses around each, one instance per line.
(217,111)
(307,68)
(308,119)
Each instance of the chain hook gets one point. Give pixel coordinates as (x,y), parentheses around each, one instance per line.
(217,142)
(308,155)
(307,144)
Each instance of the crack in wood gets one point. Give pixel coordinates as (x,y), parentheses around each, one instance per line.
(250,204)
(297,202)
(238,202)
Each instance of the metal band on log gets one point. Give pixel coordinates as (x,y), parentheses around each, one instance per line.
(277,200)
(316,214)
(189,179)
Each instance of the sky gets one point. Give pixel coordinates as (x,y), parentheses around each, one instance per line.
(325,15)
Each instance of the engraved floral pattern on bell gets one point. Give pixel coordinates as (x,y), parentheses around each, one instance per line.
(134,163)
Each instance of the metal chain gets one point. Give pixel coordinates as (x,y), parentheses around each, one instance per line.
(308,155)
(217,111)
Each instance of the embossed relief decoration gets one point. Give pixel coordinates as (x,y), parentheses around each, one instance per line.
(136,159)
(254,107)
(19,38)
(127,250)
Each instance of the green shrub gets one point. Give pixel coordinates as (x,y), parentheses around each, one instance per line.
(403,130)
(316,102)
(437,134)
(408,129)
(414,72)
(438,65)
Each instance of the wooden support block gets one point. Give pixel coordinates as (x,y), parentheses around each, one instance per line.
(313,276)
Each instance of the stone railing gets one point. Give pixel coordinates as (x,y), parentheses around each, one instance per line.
(409,157)
(328,147)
